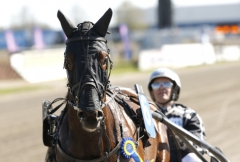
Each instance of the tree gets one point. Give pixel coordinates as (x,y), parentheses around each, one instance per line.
(25,20)
(132,16)
(77,14)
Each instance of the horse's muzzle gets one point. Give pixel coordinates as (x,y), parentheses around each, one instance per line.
(91,120)
(90,112)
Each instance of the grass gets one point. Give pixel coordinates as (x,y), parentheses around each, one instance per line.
(124,67)
(19,89)
(119,67)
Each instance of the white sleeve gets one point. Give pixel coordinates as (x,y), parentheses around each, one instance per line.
(191,157)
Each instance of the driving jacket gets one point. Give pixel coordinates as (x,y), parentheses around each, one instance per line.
(186,118)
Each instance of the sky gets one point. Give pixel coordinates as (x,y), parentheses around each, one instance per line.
(45,11)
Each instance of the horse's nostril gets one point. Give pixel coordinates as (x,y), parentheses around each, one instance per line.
(100,114)
(80,115)
(90,115)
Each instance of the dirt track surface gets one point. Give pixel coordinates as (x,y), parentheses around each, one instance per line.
(213,91)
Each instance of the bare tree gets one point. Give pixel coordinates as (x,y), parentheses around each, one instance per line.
(77,14)
(131,15)
(25,20)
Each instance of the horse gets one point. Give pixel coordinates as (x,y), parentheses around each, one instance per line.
(100,122)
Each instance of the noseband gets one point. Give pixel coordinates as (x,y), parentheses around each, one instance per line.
(93,81)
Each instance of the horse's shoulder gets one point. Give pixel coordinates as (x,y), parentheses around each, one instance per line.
(130,97)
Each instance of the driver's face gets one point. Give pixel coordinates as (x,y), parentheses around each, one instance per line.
(161,94)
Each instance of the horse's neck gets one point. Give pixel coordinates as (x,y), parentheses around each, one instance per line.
(81,142)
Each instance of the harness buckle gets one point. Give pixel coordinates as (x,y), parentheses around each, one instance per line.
(47,129)
(76,99)
(69,89)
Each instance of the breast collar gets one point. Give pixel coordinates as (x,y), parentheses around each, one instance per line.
(69,157)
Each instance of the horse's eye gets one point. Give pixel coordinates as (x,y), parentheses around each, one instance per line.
(104,64)
(68,63)
(103,59)
(70,66)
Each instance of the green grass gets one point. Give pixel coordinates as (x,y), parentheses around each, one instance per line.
(5,91)
(119,67)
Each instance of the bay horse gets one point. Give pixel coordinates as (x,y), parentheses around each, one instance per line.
(100,122)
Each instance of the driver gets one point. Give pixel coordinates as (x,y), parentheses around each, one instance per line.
(164,87)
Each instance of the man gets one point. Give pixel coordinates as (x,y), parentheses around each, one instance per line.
(164,87)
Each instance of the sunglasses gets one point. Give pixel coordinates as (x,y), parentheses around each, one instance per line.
(157,85)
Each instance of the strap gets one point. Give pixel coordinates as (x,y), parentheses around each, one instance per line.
(92,38)
(72,159)
(112,95)
(56,108)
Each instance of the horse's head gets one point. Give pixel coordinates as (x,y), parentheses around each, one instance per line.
(87,63)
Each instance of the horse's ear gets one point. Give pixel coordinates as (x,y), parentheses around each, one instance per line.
(102,24)
(67,26)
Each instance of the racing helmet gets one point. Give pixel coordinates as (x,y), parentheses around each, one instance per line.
(166,73)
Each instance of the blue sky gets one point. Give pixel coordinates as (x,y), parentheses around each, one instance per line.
(45,11)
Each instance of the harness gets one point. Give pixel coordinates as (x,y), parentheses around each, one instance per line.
(72,159)
(52,123)
(114,98)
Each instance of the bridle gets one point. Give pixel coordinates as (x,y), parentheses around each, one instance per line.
(93,81)
(97,85)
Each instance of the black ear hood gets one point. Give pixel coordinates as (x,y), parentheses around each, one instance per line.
(102,24)
(67,26)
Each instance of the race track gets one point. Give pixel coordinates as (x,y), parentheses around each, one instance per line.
(213,91)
